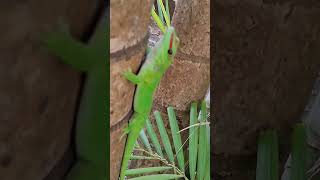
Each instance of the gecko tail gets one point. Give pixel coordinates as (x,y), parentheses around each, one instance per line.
(135,126)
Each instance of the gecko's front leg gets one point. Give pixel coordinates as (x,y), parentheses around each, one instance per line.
(131,77)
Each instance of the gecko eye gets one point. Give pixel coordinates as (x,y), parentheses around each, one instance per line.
(170,51)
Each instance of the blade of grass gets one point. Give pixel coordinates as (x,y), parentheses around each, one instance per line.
(165,14)
(203,154)
(207,177)
(146,170)
(157,177)
(299,153)
(145,140)
(167,9)
(157,20)
(193,142)
(164,136)
(208,170)
(204,117)
(160,11)
(267,157)
(176,138)
(154,138)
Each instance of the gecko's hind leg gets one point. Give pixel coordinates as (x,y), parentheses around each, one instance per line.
(129,127)
(125,132)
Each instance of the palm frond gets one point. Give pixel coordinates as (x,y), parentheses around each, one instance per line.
(162,19)
(299,153)
(268,156)
(193,142)
(153,137)
(203,155)
(157,20)
(146,170)
(165,14)
(160,11)
(176,137)
(267,160)
(164,136)
(174,165)
(145,140)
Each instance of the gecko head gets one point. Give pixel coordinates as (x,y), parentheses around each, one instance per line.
(171,45)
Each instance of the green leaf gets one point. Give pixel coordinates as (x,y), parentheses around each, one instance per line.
(164,136)
(154,138)
(167,9)
(165,14)
(160,11)
(146,170)
(157,20)
(299,153)
(158,177)
(203,145)
(268,156)
(176,138)
(193,141)
(145,140)
(208,170)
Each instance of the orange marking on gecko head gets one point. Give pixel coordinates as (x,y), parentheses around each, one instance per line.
(171,40)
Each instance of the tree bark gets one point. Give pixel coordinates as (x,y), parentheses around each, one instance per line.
(128,40)
(266,58)
(37,92)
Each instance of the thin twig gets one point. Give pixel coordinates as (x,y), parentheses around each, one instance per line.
(197,124)
(158,157)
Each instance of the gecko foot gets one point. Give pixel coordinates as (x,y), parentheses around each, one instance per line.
(125,132)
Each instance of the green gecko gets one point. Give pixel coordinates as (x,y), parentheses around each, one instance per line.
(156,64)
(91,124)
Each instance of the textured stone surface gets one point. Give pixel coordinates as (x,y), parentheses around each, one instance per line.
(128,41)
(37,93)
(191,20)
(183,83)
(62,166)
(262,79)
(121,90)
(129,20)
(187,79)
(116,149)
(265,62)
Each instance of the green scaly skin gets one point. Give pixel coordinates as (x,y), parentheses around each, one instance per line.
(91,124)
(147,80)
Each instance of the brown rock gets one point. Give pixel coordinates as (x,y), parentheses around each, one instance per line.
(263,70)
(116,149)
(265,63)
(184,82)
(128,31)
(187,80)
(121,90)
(192,23)
(129,20)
